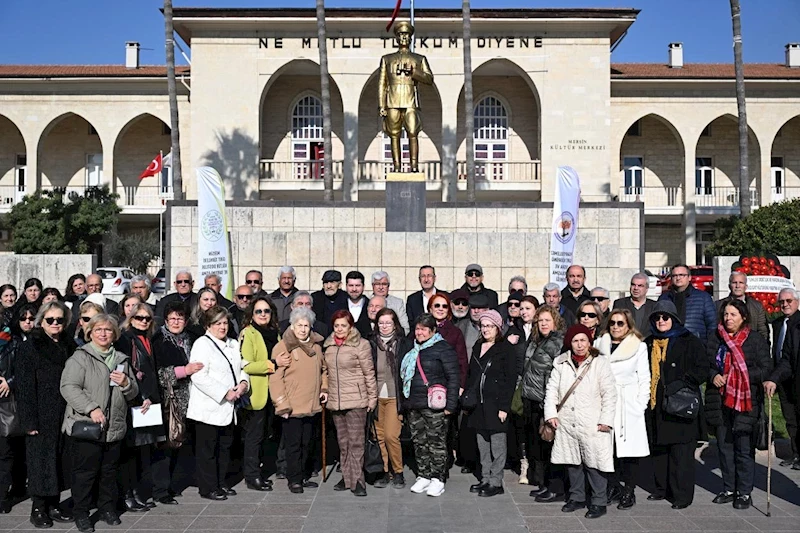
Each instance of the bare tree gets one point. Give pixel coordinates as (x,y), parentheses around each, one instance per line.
(744,174)
(469,111)
(172,88)
(325,89)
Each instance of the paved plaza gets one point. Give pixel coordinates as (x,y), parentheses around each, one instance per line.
(456,511)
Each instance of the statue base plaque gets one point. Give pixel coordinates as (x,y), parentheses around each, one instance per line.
(405,201)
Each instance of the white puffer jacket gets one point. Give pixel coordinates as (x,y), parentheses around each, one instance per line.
(593,402)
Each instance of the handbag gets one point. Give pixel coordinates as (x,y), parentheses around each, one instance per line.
(373,461)
(548,432)
(242,402)
(176,425)
(92,431)
(9,421)
(684,402)
(437,394)
(761,431)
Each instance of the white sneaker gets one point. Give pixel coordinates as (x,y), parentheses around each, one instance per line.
(421,485)
(436,488)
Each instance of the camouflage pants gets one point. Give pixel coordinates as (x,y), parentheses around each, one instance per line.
(429,434)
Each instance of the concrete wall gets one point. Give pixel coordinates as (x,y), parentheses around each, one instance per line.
(506,239)
(53,270)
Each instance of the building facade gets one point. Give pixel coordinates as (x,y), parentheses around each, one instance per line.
(545,94)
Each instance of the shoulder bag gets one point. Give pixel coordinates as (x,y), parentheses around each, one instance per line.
(9,421)
(548,432)
(176,425)
(682,400)
(93,431)
(244,401)
(373,461)
(437,394)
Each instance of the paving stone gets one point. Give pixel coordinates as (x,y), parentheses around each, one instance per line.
(562,523)
(223,523)
(724,523)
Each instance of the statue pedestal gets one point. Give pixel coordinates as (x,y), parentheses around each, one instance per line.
(405,201)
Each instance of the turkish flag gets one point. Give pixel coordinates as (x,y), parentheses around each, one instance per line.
(153,169)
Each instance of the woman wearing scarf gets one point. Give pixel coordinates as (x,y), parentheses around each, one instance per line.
(739,364)
(388,346)
(137,330)
(628,356)
(677,359)
(258,338)
(439,362)
(171,350)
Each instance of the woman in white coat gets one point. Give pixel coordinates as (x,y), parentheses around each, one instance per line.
(631,367)
(583,421)
(212,396)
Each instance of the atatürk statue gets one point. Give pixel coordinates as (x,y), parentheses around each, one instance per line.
(397,94)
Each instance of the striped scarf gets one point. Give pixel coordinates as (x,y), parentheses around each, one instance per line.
(736,393)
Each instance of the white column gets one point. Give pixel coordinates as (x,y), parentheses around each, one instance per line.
(350,143)
(764,181)
(689,209)
(32,153)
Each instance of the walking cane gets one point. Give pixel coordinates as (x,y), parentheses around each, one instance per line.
(324,449)
(769,455)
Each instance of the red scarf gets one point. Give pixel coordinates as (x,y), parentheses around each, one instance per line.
(736,393)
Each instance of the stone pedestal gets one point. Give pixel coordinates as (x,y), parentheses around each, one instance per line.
(405,201)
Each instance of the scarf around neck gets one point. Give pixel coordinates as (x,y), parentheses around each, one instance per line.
(409,365)
(180,341)
(109,356)
(657,357)
(389,347)
(736,393)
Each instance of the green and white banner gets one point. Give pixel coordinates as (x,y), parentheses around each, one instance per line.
(213,248)
(565,223)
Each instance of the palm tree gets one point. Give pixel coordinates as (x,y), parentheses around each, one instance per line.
(469,119)
(744,174)
(172,88)
(325,89)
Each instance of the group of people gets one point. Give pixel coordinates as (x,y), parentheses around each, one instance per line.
(565,390)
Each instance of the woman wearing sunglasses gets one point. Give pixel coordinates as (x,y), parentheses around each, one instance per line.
(41,407)
(137,332)
(677,359)
(590,315)
(258,339)
(623,345)
(85,313)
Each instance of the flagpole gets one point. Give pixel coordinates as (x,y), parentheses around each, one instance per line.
(413,40)
(161,216)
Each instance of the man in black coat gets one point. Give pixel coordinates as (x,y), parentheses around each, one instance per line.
(357,303)
(551,294)
(517,284)
(473,284)
(638,303)
(785,347)
(737,283)
(417,302)
(184,293)
(94,284)
(575,293)
(330,299)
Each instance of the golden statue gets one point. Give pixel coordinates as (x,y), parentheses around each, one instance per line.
(397,94)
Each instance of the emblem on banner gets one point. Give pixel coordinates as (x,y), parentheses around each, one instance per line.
(213,226)
(564,227)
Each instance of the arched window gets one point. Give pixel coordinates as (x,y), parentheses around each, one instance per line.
(307,145)
(491,138)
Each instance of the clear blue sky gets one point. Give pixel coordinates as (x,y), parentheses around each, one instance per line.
(94,31)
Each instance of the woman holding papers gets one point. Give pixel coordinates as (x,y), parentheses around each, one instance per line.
(137,331)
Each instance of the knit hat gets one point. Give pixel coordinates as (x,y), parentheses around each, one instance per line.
(577,329)
(665,307)
(493,317)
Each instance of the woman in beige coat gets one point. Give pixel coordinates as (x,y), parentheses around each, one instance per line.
(584,441)
(296,391)
(352,392)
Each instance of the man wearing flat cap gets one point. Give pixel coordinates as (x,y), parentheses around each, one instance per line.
(400,72)
(473,284)
(331,298)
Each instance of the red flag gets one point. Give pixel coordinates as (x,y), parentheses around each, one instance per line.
(153,169)
(394,14)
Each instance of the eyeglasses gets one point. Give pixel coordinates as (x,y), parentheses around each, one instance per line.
(598,298)
(590,315)
(439,306)
(380,283)
(143,318)
(244,296)
(618,323)
(787,301)
(176,319)
(487,326)
(474,273)
(679,275)
(183,282)
(385,324)
(262,311)
(54,320)
(107,331)
(85,318)
(461,303)
(253,282)
(513,304)
(662,317)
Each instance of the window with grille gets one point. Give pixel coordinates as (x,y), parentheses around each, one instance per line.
(491,139)
(307,155)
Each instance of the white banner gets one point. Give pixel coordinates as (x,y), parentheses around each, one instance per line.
(213,249)
(768,284)
(565,223)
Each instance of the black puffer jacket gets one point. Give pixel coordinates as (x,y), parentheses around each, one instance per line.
(539,359)
(759,366)
(440,364)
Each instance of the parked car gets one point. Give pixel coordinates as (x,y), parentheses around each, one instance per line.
(159,286)
(702,279)
(653,285)
(116,280)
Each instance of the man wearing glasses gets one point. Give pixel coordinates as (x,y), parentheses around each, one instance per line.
(638,303)
(517,284)
(473,284)
(94,285)
(184,293)
(380,287)
(241,299)
(695,308)
(417,302)
(737,283)
(601,296)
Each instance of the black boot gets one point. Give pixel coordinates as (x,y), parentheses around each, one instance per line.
(40,519)
(142,500)
(131,505)
(628,499)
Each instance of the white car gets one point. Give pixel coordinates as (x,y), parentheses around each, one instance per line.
(653,285)
(116,280)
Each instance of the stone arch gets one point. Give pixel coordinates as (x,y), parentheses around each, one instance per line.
(660,145)
(64,149)
(721,145)
(785,146)
(136,144)
(12,145)
(370,132)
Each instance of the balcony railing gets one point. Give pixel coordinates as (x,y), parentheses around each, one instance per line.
(722,197)
(653,197)
(129,196)
(780,194)
(301,171)
(505,171)
(377,170)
